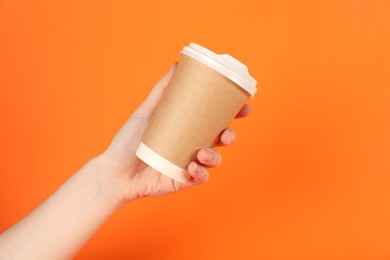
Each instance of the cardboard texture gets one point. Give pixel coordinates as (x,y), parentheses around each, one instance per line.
(198,104)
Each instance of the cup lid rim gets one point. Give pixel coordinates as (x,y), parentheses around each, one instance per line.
(224,64)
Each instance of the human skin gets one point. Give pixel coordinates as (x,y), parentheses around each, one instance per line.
(60,226)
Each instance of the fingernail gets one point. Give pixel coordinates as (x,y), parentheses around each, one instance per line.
(208,155)
(196,168)
(232,136)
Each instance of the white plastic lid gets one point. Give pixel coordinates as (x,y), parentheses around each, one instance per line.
(224,64)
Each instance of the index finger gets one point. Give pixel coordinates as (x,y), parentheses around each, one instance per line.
(245,111)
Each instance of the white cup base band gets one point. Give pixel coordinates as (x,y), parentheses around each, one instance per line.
(161,164)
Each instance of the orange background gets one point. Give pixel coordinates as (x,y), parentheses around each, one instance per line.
(309,176)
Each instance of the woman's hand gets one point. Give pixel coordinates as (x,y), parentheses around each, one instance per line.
(135,178)
(60,226)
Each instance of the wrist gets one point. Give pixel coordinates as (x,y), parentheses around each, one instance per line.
(108,184)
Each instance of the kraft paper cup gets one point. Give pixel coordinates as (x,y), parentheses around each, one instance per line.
(204,95)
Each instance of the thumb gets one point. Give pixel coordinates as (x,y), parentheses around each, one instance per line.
(150,103)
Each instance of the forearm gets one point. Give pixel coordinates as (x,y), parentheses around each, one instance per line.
(59,227)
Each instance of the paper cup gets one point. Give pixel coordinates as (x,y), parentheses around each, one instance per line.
(204,95)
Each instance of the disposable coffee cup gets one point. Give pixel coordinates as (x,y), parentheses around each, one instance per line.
(205,93)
